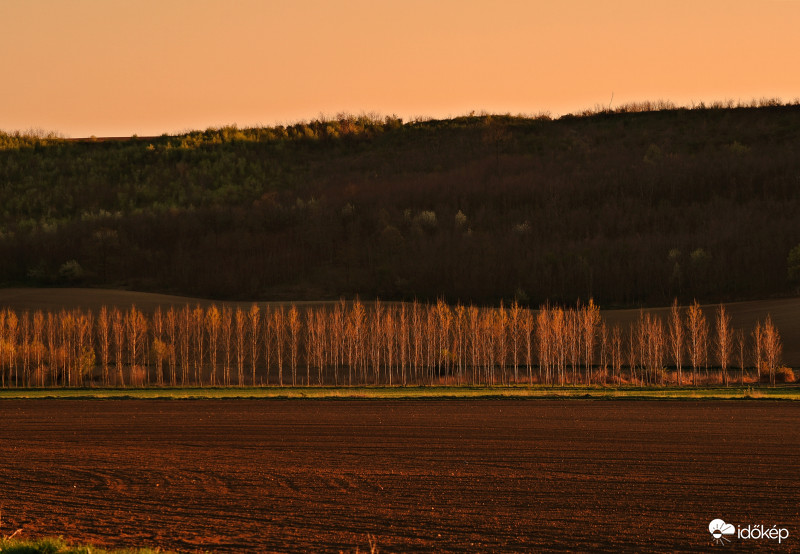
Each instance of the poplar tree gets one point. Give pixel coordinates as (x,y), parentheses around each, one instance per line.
(38,345)
(676,339)
(212,324)
(772,348)
(696,326)
(103,338)
(279,333)
(724,341)
(118,329)
(227,335)
(590,323)
(253,329)
(239,340)
(293,320)
(172,351)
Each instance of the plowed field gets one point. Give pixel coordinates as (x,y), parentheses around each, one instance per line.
(445,476)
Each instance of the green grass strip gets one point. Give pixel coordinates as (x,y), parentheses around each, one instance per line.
(59,546)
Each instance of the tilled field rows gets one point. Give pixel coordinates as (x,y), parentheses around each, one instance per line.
(485,475)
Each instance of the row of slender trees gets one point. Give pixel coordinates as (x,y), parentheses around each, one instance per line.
(350,343)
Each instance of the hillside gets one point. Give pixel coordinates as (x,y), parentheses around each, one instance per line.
(632,207)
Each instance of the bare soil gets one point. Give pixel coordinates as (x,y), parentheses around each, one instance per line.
(445,476)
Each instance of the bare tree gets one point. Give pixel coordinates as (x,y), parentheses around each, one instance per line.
(25,346)
(543,342)
(590,323)
(52,338)
(67,350)
(604,351)
(213,321)
(389,332)
(3,342)
(311,339)
(374,330)
(632,352)
(136,329)
(184,337)
(724,341)
(705,343)
(474,333)
(676,339)
(118,328)
(103,340)
(84,347)
(198,334)
(489,343)
(758,349)
(740,349)
(573,329)
(159,346)
(500,333)
(350,337)
(403,346)
(514,328)
(358,313)
(430,342)
(253,332)
(696,324)
(444,322)
(656,348)
(559,337)
(38,345)
(279,333)
(172,337)
(338,338)
(559,343)
(239,340)
(227,334)
(319,346)
(11,345)
(641,344)
(528,336)
(772,348)
(616,353)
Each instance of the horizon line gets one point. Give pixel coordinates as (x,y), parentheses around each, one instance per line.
(640,106)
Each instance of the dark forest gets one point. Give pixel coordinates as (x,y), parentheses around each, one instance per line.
(635,206)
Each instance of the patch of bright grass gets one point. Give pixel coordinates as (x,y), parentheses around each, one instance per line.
(59,546)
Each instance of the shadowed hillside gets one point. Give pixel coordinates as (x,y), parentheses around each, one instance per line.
(629,207)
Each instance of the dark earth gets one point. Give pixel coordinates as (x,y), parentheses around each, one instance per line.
(445,476)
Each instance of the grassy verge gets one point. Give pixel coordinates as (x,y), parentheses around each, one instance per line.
(59,546)
(432,392)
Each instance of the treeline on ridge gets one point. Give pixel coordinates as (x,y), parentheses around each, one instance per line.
(629,207)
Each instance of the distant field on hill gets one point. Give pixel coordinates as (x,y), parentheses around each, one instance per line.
(785,313)
(93,299)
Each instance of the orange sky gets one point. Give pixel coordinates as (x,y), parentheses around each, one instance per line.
(114,67)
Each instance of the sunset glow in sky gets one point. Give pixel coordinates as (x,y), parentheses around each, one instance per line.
(115,68)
